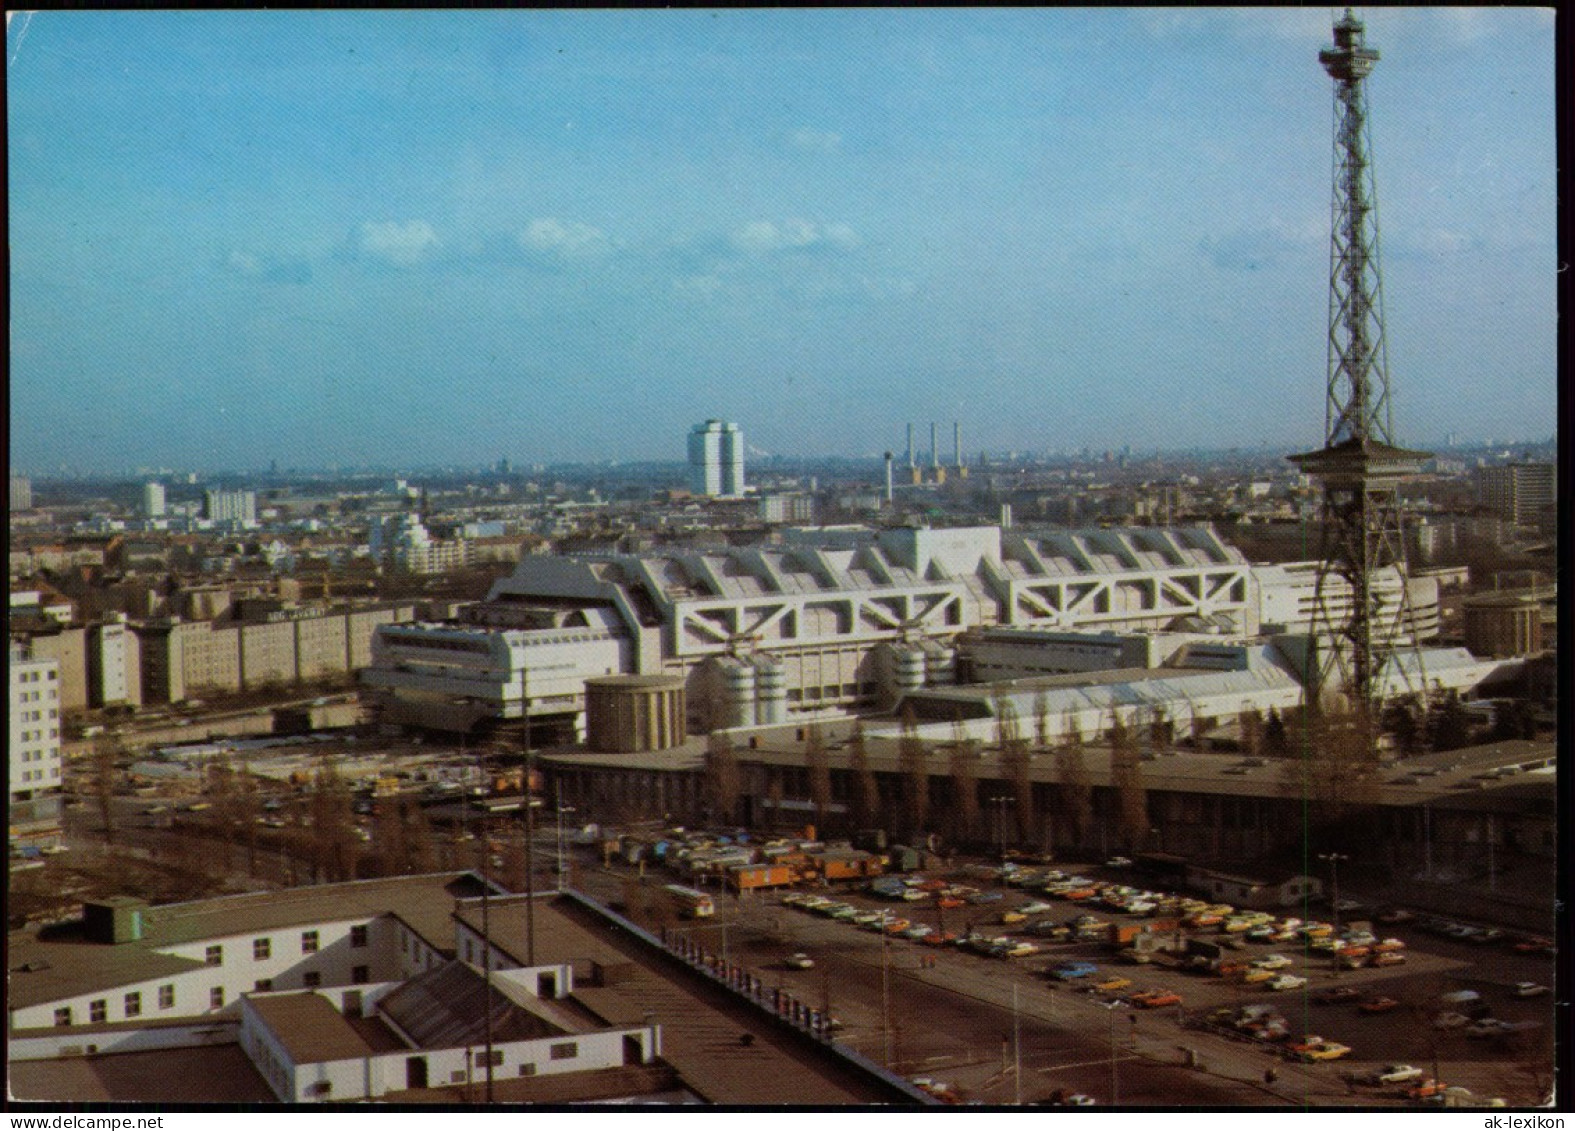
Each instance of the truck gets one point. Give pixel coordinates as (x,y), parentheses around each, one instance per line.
(752,877)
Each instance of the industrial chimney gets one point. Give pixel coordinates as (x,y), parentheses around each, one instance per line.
(889,492)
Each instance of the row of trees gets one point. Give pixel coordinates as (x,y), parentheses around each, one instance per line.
(908,809)
(1331,762)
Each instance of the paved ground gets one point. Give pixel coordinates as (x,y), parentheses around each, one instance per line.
(199,1075)
(956,1021)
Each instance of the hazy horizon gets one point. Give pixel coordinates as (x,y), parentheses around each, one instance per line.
(441,238)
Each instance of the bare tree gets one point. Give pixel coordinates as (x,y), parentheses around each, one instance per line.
(247,812)
(866,790)
(965,788)
(911,756)
(105,753)
(819,769)
(1042,721)
(1016,762)
(389,835)
(722,780)
(418,839)
(331,822)
(1333,764)
(1126,776)
(1252,732)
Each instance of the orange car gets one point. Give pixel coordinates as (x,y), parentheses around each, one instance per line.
(1155,999)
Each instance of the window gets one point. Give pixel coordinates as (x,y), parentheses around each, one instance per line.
(360,975)
(167,997)
(358,936)
(134,1005)
(215,956)
(98,1010)
(495,1058)
(216,998)
(261,949)
(308,942)
(568,1050)
(527,1070)
(311,979)
(263,985)
(63,1016)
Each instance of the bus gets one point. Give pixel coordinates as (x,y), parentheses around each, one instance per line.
(691,904)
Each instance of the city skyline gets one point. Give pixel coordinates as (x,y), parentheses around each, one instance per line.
(415,238)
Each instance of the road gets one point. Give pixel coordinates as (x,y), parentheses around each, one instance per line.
(955,1021)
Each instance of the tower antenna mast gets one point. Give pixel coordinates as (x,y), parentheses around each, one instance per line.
(1357,632)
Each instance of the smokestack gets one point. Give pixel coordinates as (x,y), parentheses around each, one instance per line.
(934,458)
(910,445)
(957,444)
(889,492)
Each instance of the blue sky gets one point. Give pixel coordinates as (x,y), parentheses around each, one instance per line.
(418,237)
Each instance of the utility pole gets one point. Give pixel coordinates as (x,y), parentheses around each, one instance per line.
(1115,1082)
(530,820)
(486,934)
(1333,860)
(1017,1049)
(885,997)
(558,792)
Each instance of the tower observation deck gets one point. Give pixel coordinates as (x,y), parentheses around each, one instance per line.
(1360,467)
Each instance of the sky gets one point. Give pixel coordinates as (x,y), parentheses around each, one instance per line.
(402,238)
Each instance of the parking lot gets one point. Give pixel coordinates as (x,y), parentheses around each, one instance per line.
(958,1016)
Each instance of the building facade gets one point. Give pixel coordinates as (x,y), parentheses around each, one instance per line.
(716,459)
(20,495)
(33,761)
(181,659)
(823,619)
(153,500)
(1518,492)
(239,507)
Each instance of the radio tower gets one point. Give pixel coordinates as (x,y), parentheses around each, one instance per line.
(1359,467)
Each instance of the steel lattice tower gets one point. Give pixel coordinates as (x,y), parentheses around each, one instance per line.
(1360,467)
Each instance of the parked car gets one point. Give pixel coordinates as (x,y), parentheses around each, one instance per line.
(1485,1027)
(1378,1005)
(1156,999)
(1272,962)
(1396,1074)
(1288,982)
(1451,1020)
(1071,971)
(1529,989)
(1111,984)
(798,961)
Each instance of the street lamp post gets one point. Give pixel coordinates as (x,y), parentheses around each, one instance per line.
(1333,860)
(1115,1082)
(562,809)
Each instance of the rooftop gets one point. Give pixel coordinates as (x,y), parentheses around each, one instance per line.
(62,960)
(310,1028)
